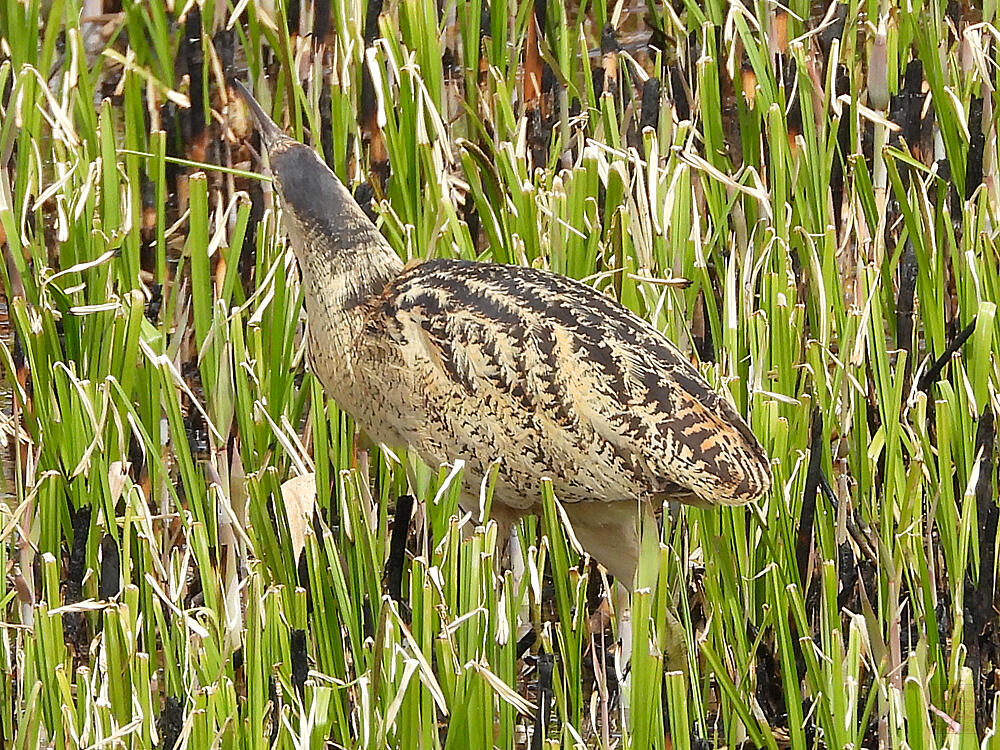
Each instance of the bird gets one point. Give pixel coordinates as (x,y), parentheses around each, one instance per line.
(489,363)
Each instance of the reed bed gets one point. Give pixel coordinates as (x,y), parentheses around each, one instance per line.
(804,198)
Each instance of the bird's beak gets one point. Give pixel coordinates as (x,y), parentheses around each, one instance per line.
(270,133)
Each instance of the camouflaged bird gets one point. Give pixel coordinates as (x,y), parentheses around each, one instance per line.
(481,361)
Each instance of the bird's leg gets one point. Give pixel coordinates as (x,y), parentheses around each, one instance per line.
(611,533)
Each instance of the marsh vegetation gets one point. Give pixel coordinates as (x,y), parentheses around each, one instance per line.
(804,198)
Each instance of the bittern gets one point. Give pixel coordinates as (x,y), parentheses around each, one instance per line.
(457,359)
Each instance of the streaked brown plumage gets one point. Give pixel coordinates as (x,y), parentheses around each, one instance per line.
(482,361)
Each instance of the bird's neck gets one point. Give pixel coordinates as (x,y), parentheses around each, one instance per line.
(342,271)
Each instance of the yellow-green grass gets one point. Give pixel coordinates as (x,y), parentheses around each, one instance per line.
(151,591)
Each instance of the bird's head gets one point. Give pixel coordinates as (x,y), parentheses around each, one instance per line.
(321,216)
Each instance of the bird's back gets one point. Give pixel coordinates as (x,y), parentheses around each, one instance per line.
(486,362)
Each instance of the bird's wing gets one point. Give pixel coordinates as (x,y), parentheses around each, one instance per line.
(560,381)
